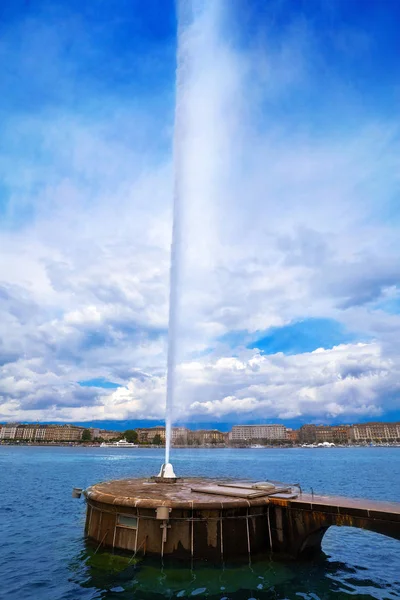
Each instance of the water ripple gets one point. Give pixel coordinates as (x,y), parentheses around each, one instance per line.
(43,555)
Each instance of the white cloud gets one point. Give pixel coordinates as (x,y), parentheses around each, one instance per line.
(348,381)
(280,222)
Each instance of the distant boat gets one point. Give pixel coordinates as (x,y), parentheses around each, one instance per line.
(320,445)
(257,446)
(121,444)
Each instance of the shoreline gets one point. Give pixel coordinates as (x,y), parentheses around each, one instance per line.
(192,447)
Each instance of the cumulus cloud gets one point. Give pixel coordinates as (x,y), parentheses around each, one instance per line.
(347,381)
(282,221)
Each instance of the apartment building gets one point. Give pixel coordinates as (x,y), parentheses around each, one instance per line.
(337,434)
(7,432)
(44,433)
(63,433)
(26,433)
(33,432)
(203,437)
(146,435)
(110,435)
(308,434)
(292,435)
(369,432)
(40,435)
(180,436)
(241,433)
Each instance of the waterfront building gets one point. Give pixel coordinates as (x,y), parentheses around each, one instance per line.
(146,435)
(180,436)
(110,435)
(242,433)
(308,434)
(29,432)
(336,434)
(94,432)
(64,433)
(26,433)
(7,432)
(292,435)
(40,434)
(375,432)
(203,437)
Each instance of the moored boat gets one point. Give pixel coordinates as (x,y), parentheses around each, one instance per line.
(120,444)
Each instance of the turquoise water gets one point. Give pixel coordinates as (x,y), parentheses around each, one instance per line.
(43,554)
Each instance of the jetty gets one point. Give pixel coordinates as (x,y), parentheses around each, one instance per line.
(299,524)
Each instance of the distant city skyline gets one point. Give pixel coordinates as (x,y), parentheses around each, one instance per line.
(290,308)
(238,435)
(221,426)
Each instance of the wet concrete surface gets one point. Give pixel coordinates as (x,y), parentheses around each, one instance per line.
(145,492)
(187,493)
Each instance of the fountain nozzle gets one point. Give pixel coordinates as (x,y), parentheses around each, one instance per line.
(166,474)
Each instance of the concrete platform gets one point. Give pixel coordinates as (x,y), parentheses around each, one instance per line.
(183,495)
(217,520)
(208,526)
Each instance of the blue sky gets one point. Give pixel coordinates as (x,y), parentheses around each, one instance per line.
(289,179)
(303,336)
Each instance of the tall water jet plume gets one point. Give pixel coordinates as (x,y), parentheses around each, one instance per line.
(206,82)
(183,9)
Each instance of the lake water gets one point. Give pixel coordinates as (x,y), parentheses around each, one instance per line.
(43,555)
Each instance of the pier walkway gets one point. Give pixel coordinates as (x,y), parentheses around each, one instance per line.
(298,525)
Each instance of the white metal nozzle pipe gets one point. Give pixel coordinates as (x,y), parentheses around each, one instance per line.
(167,471)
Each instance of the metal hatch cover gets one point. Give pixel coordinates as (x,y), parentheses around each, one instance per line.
(268,488)
(226,490)
(261,485)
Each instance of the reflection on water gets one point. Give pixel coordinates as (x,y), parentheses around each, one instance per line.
(120,576)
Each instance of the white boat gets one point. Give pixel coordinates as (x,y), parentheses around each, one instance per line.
(320,445)
(121,444)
